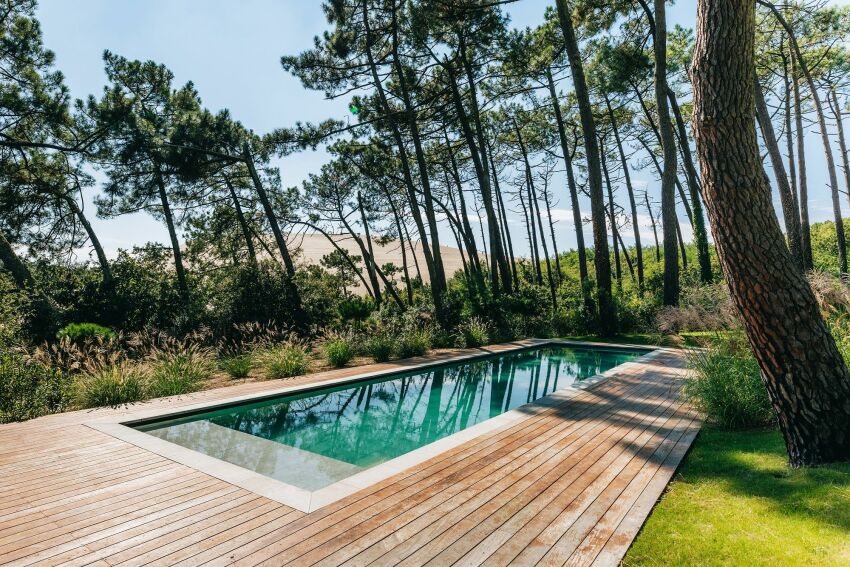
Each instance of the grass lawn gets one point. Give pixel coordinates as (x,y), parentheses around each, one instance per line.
(735,502)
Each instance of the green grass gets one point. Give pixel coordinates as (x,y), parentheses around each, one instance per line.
(629,339)
(736,502)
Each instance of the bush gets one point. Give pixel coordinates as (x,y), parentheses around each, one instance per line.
(380,347)
(412,343)
(237,366)
(339,350)
(179,371)
(474,332)
(728,386)
(111,385)
(82,332)
(29,389)
(286,360)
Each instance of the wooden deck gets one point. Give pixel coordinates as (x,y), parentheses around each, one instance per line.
(570,484)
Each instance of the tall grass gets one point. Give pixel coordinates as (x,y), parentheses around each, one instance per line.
(179,371)
(111,385)
(285,360)
(727,384)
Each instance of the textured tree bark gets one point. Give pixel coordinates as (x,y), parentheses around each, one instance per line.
(789,146)
(601,258)
(668,146)
(500,206)
(789,206)
(805,376)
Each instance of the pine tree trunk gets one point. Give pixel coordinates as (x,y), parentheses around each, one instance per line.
(172,234)
(806,378)
(105,269)
(367,249)
(842,143)
(243,224)
(824,135)
(571,182)
(628,178)
(552,234)
(500,205)
(805,225)
(601,258)
(668,146)
(612,216)
(789,206)
(697,217)
(654,227)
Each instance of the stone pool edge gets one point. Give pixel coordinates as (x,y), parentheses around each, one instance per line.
(310,501)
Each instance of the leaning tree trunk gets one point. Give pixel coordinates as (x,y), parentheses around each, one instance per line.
(105,269)
(668,147)
(805,225)
(824,133)
(601,259)
(571,183)
(243,224)
(697,217)
(786,196)
(172,234)
(654,227)
(842,142)
(804,373)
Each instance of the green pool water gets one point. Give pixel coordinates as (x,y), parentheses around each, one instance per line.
(314,439)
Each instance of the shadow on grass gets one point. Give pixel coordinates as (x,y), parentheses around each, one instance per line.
(754,464)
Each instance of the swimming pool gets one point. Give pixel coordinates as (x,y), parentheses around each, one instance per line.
(317,438)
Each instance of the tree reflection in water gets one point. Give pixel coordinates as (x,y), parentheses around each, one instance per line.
(373,422)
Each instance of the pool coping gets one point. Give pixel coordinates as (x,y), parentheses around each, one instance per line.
(309,501)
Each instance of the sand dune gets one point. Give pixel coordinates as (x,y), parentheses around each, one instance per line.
(312,247)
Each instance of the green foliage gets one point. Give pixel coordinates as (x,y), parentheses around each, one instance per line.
(356,309)
(474,333)
(237,366)
(29,389)
(111,385)
(380,347)
(285,360)
(412,343)
(727,385)
(181,371)
(81,332)
(339,350)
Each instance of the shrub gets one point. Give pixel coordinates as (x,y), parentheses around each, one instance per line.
(474,332)
(82,332)
(179,371)
(727,385)
(339,350)
(29,389)
(286,360)
(237,366)
(380,347)
(111,385)
(356,309)
(412,343)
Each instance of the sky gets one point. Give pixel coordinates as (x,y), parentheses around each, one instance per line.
(231,51)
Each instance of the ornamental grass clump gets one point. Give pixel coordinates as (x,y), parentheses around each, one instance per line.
(727,384)
(285,360)
(380,347)
(111,385)
(339,349)
(237,365)
(180,370)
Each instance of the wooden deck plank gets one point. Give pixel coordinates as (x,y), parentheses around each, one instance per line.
(570,483)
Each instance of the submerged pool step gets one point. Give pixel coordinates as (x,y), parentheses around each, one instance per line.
(282,462)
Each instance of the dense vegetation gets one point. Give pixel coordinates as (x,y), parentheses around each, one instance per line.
(457,121)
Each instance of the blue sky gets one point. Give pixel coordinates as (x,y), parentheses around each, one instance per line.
(231,51)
